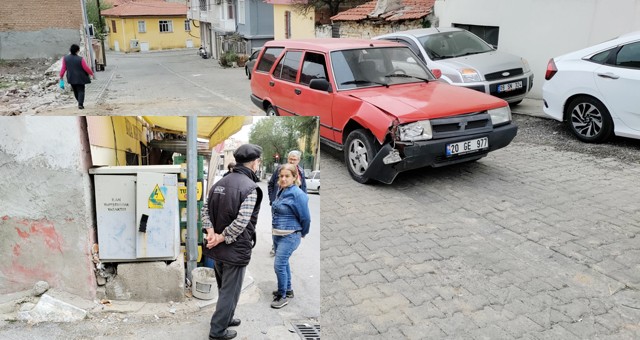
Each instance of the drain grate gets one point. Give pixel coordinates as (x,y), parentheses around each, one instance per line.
(307,331)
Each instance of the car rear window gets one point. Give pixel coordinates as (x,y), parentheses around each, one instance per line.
(269,58)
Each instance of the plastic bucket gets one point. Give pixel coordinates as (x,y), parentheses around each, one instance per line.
(204,281)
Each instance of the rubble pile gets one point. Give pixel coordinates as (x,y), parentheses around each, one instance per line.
(31,85)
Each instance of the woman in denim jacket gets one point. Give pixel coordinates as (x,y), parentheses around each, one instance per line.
(291,221)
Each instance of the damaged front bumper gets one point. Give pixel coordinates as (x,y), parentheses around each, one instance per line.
(389,162)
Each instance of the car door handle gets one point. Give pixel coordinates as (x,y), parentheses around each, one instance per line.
(271,83)
(608,75)
(297,91)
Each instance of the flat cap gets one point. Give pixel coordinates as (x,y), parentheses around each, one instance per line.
(247,153)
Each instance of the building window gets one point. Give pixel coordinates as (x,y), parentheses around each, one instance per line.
(241,11)
(142,26)
(287,24)
(166,26)
(203,5)
(187,25)
(230,10)
(487,33)
(113,26)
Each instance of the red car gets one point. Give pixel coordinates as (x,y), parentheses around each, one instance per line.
(380,104)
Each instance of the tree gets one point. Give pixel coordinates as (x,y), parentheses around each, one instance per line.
(95,19)
(279,135)
(334,6)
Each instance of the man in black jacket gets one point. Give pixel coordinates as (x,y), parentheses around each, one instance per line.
(233,206)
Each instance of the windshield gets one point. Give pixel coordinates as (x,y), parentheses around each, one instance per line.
(383,66)
(453,44)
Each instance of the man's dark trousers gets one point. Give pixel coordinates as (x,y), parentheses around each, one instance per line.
(78,92)
(229,279)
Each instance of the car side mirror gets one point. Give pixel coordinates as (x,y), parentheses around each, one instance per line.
(437,73)
(320,84)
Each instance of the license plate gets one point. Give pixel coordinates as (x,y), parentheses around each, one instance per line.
(510,86)
(468,146)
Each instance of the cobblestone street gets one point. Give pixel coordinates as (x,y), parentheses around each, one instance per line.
(535,241)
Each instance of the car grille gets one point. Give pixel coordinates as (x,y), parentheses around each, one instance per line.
(498,75)
(468,124)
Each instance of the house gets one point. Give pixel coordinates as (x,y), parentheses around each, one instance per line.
(40,29)
(539,30)
(150,25)
(238,26)
(383,16)
(291,23)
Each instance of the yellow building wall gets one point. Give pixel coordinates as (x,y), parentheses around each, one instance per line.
(302,26)
(111,137)
(127,30)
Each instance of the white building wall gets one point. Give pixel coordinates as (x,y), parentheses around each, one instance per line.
(46,224)
(542,29)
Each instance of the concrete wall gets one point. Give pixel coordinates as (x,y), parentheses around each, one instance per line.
(46,224)
(38,29)
(542,29)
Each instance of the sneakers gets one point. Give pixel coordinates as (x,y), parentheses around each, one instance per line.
(272,252)
(279,302)
(81,107)
(289,294)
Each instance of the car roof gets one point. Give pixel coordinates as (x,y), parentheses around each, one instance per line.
(331,44)
(419,32)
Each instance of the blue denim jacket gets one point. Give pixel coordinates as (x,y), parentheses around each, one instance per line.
(290,210)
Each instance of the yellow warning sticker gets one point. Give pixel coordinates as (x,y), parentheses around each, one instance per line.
(156,200)
(182,191)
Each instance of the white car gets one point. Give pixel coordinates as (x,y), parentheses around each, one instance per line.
(596,90)
(466,60)
(313,182)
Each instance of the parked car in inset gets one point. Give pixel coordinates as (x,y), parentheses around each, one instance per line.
(248,67)
(468,61)
(313,182)
(379,104)
(595,90)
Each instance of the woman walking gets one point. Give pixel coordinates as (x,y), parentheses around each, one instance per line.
(77,73)
(291,221)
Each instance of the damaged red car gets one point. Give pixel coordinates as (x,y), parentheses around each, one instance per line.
(379,104)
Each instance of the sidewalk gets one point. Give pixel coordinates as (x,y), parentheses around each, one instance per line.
(530,107)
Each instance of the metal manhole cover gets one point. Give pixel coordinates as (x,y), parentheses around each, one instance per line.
(307,330)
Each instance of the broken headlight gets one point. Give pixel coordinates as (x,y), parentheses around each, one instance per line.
(415,131)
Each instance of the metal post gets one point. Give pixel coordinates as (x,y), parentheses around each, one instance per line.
(88,37)
(192,179)
(101,26)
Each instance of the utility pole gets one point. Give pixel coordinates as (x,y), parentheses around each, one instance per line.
(88,43)
(101,26)
(192,179)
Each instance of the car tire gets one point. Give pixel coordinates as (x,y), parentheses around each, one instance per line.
(589,120)
(247,72)
(271,111)
(360,149)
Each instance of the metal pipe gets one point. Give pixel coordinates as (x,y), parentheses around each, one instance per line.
(192,178)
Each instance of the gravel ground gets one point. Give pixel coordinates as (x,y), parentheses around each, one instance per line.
(554,134)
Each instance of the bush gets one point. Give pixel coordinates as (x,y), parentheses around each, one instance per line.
(242,60)
(227,59)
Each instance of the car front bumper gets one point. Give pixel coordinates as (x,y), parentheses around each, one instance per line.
(433,153)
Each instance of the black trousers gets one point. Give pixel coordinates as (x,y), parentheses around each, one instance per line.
(229,279)
(78,92)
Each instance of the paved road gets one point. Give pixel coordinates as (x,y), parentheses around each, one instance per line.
(165,83)
(536,241)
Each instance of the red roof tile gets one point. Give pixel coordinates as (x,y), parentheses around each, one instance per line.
(411,9)
(146,8)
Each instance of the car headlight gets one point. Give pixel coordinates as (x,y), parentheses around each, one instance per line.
(469,75)
(415,131)
(500,115)
(526,67)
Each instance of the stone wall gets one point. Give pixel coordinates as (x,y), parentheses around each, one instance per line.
(368,29)
(46,209)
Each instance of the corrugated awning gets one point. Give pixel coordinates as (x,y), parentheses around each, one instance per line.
(215,129)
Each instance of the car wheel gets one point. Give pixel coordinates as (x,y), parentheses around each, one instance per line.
(271,111)
(358,154)
(589,120)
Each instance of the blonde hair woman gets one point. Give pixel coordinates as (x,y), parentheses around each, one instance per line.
(290,223)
